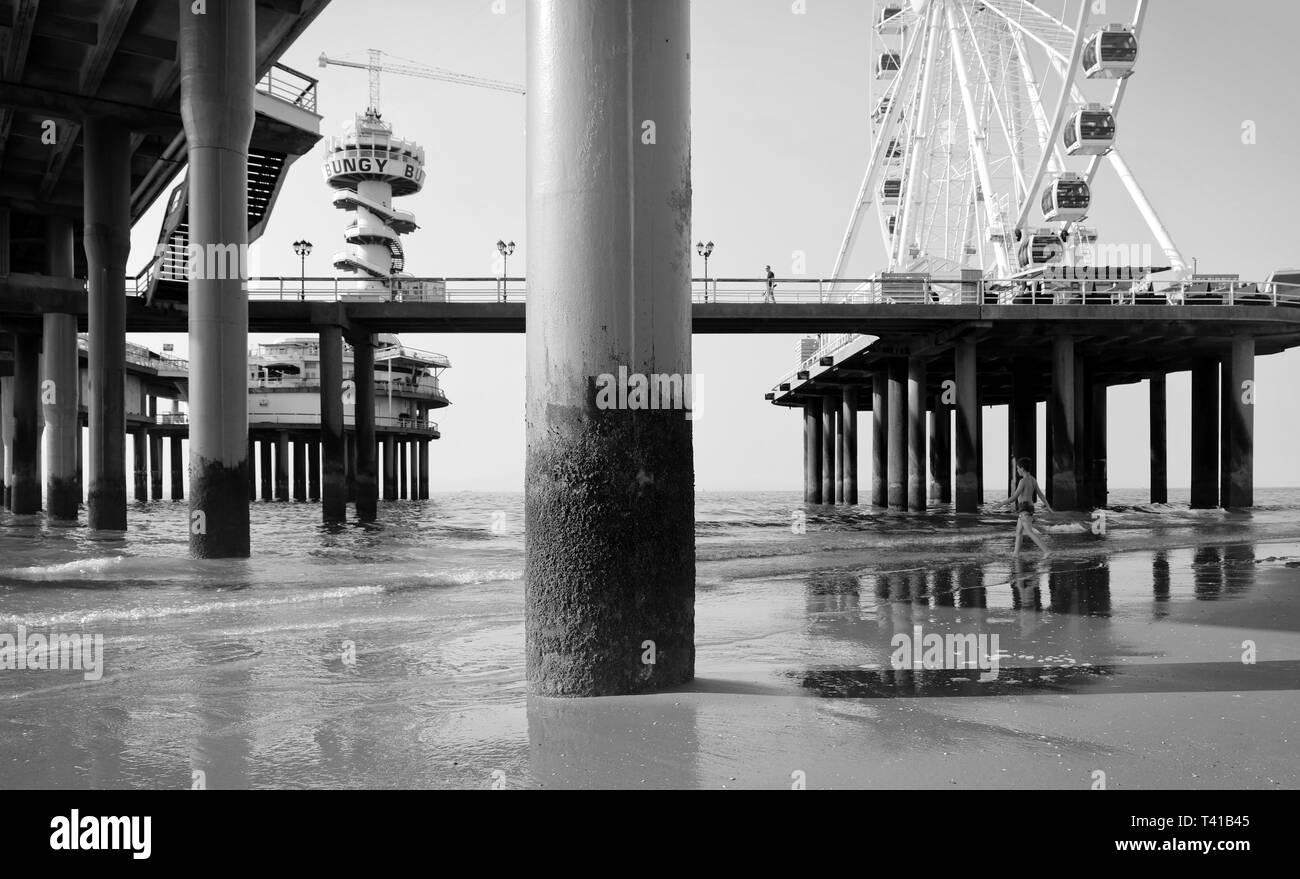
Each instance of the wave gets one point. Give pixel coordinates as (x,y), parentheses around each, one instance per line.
(84,619)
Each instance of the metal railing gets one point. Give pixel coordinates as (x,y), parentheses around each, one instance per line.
(289,85)
(295,418)
(787,291)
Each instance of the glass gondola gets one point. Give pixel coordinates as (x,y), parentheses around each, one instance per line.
(1110,53)
(891,190)
(891,20)
(1066,198)
(894,150)
(891,223)
(1090,131)
(882,109)
(887,65)
(1041,247)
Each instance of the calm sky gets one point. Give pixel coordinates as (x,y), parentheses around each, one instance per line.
(780,142)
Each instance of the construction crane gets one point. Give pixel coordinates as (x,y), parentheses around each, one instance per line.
(376,65)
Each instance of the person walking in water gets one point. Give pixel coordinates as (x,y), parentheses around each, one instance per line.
(1022,498)
(770,295)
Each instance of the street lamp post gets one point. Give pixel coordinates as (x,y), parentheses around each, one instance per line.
(505,249)
(704,250)
(302,247)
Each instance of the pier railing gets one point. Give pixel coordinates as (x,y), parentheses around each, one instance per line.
(284,418)
(289,85)
(1197,290)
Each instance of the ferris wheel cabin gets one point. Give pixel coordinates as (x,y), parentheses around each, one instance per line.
(1110,53)
(1066,198)
(894,150)
(887,65)
(891,20)
(1090,131)
(1039,248)
(882,109)
(890,191)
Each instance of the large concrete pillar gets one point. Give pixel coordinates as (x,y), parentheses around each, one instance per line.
(350,466)
(1098,444)
(26,445)
(1159,440)
(365,475)
(106,150)
(1205,434)
(252,469)
(849,437)
(61,387)
(967,427)
(898,434)
(609,495)
(879,439)
(178,468)
(1082,431)
(1238,419)
(334,469)
(402,479)
(217,76)
(828,449)
(940,453)
(916,480)
(812,452)
(1061,423)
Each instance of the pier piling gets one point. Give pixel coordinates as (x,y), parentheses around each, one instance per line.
(812,452)
(879,439)
(967,427)
(1205,434)
(916,430)
(27,418)
(849,454)
(898,423)
(1156,386)
(62,370)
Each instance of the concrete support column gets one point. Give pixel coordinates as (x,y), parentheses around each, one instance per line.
(424,469)
(334,467)
(812,452)
(1098,445)
(216,52)
(916,462)
(1238,419)
(390,447)
(155,465)
(1082,432)
(252,469)
(849,434)
(1061,418)
(403,479)
(140,448)
(26,478)
(7,437)
(300,470)
(267,470)
(1205,434)
(610,560)
(106,150)
(62,383)
(1023,418)
(940,453)
(835,401)
(898,423)
(313,469)
(828,450)
(350,467)
(879,439)
(363,371)
(1159,440)
(178,468)
(282,465)
(967,427)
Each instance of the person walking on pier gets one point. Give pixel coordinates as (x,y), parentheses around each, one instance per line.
(1023,497)
(770,295)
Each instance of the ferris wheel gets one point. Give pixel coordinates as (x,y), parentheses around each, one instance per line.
(990,121)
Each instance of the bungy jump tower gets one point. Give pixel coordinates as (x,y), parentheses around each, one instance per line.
(370,167)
